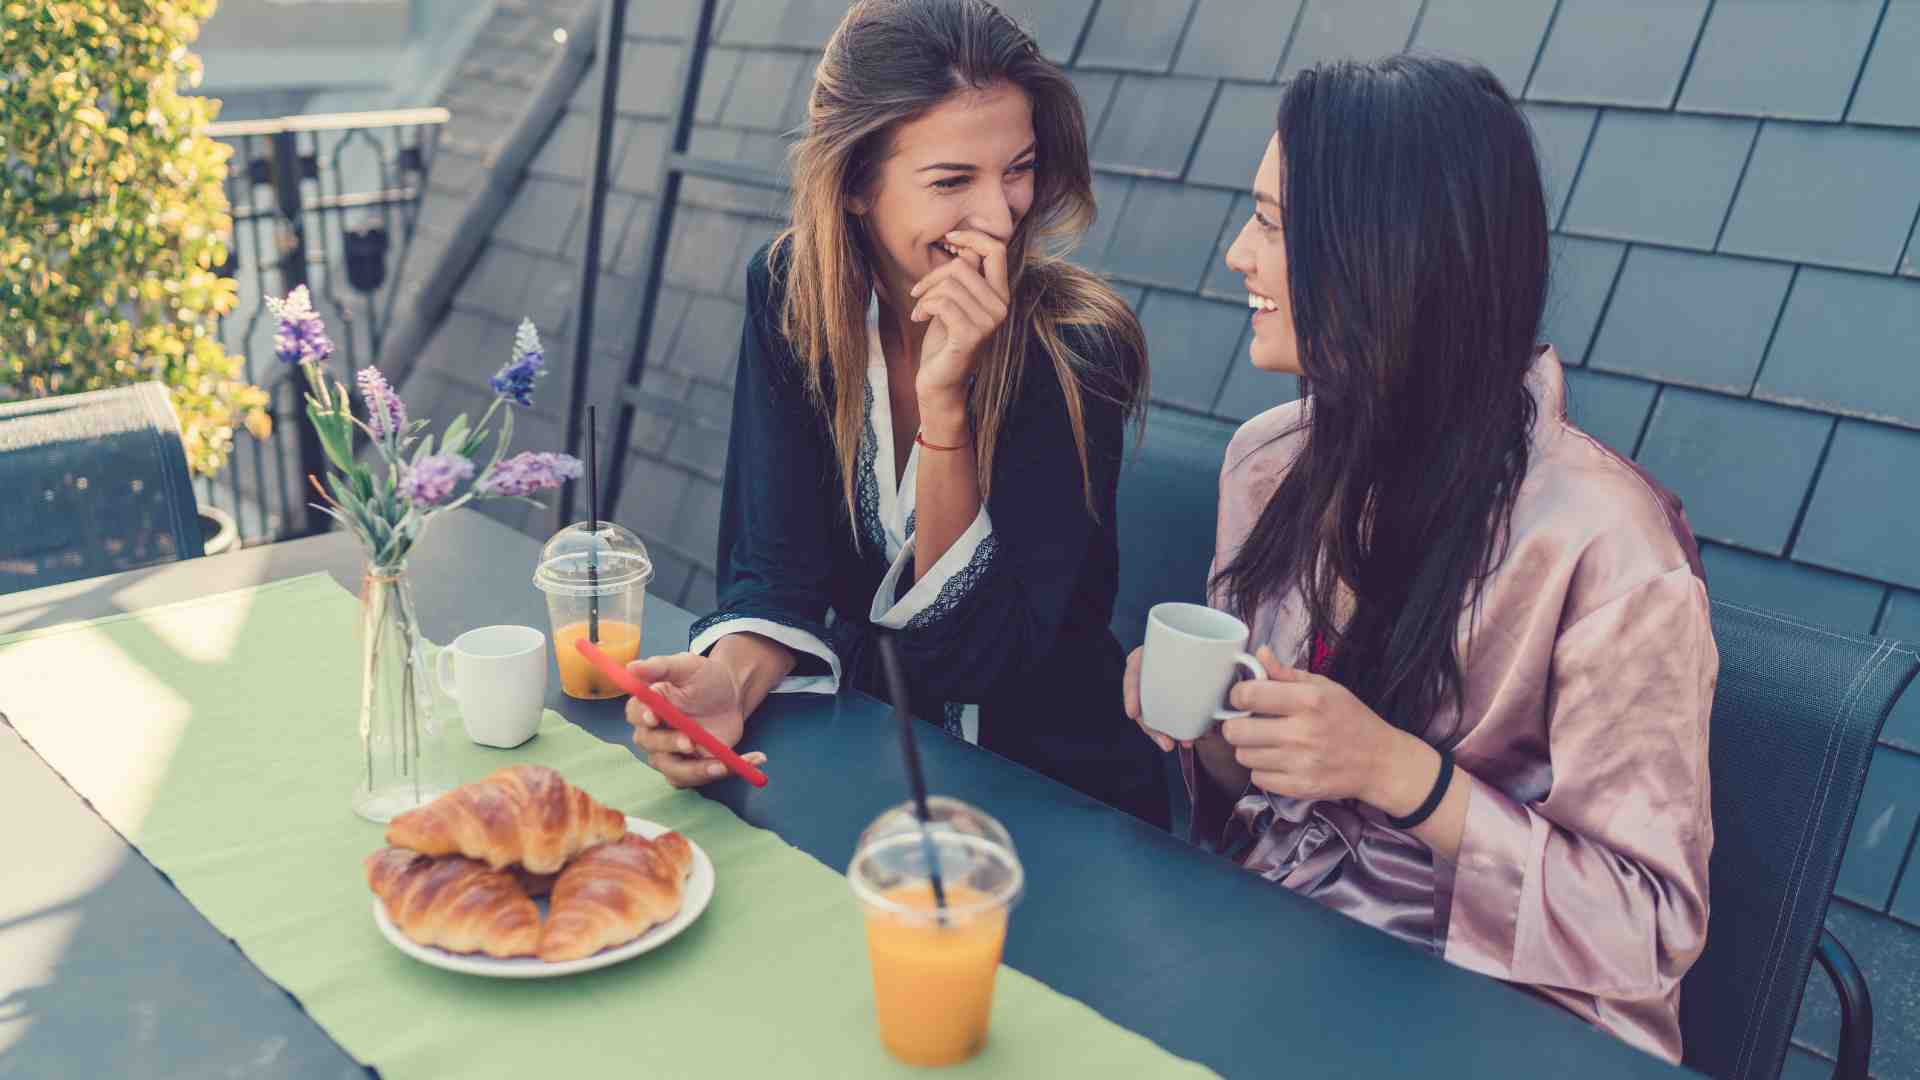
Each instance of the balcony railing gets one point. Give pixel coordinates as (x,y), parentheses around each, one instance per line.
(330,202)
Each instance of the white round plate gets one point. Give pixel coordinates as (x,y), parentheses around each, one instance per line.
(693,901)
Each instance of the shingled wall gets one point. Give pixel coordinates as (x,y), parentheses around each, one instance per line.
(1735,192)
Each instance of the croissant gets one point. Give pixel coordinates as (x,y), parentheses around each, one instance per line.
(610,894)
(526,814)
(457,904)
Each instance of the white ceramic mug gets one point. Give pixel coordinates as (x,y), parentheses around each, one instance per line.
(498,675)
(1191,654)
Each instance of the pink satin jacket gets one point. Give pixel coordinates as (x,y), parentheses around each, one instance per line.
(1589,676)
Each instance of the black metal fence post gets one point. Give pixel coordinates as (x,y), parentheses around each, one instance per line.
(290,240)
(612,33)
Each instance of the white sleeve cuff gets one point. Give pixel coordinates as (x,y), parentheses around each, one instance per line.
(798,640)
(958,560)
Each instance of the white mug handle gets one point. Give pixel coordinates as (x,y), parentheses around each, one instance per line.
(443,674)
(1251,665)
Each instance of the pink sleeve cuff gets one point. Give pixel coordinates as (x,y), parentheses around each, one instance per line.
(1488,878)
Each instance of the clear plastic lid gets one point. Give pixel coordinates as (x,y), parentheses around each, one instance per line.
(972,849)
(585,560)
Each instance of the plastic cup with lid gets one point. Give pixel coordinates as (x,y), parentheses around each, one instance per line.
(595,577)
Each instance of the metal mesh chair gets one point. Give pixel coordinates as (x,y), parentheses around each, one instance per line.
(1795,720)
(92,484)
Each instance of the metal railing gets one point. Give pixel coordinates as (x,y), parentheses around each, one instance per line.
(331,202)
(678,163)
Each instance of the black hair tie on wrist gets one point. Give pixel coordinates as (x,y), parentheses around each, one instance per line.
(1439,792)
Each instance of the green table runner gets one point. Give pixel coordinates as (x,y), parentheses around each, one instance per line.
(217,736)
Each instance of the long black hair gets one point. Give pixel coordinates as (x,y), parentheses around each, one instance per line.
(1416,237)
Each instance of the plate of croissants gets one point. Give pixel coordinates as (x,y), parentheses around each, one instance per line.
(524,876)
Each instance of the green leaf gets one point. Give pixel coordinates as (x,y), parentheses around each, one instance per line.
(423,451)
(456,433)
(506,436)
(337,443)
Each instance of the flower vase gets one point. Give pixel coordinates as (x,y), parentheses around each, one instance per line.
(402,760)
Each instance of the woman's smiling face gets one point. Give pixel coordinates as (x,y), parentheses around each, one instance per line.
(1259,255)
(967,164)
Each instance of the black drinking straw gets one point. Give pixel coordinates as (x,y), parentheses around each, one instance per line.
(897,687)
(593,528)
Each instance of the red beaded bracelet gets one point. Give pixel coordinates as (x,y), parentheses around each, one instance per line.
(922,440)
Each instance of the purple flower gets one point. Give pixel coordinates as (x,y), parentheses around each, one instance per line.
(515,380)
(386,413)
(527,472)
(432,481)
(301,336)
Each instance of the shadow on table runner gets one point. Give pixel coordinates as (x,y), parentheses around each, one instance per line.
(218,736)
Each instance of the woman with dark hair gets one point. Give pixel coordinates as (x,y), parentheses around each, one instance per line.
(1489,657)
(928,415)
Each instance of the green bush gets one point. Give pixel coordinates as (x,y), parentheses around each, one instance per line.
(113,219)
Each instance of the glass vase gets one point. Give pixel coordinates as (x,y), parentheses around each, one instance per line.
(402,762)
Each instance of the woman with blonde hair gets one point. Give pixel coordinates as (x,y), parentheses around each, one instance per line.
(928,416)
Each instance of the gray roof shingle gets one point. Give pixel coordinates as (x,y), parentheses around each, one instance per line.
(1110,194)
(1096,93)
(1906,902)
(782,23)
(1902,620)
(541,216)
(1766,58)
(1577,290)
(1195,340)
(1341,30)
(1889,91)
(1609,408)
(1237,39)
(1695,320)
(1222,281)
(716,82)
(1889,957)
(1862,519)
(650,79)
(1232,146)
(1739,466)
(1843,603)
(1056,25)
(1152,124)
(1846,343)
(1882,829)
(1166,233)
(1826,194)
(1249,391)
(498,282)
(638,168)
(1503,35)
(1135,35)
(1561,132)
(1617,52)
(762,87)
(1681,203)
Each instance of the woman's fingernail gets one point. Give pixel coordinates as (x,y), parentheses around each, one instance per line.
(685,744)
(716,769)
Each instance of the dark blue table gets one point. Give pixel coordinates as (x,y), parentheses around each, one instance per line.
(105,970)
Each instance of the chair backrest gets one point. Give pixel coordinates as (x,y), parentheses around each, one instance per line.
(1794,724)
(91,484)
(1169,494)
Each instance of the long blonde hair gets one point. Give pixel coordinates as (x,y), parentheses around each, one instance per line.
(890,62)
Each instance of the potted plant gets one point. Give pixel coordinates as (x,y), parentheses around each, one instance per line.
(386,500)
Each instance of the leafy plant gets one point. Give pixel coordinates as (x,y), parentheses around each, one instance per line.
(113,219)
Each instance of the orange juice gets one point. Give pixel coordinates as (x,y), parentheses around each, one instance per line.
(578,677)
(933,984)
